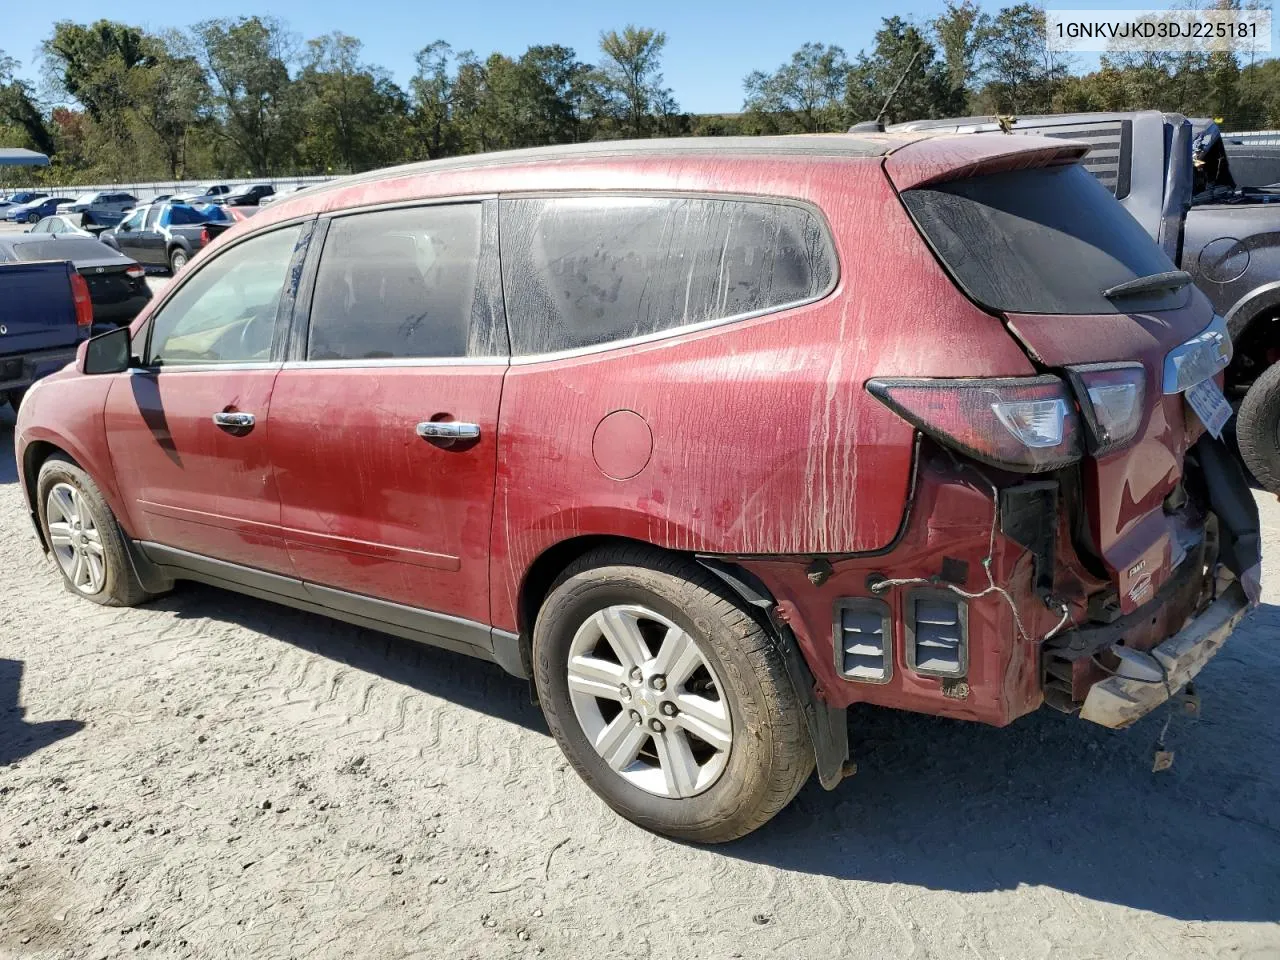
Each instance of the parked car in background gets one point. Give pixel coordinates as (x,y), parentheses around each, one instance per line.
(103,207)
(1176,178)
(117,284)
(206,194)
(26,196)
(980,485)
(246,195)
(32,211)
(165,235)
(45,314)
(62,225)
(282,192)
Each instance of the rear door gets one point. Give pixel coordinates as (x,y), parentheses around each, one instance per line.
(188,432)
(384,423)
(128,235)
(1049,249)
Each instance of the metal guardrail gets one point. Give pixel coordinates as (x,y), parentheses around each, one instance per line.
(144,190)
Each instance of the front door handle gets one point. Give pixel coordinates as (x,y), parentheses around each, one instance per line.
(235,421)
(448,430)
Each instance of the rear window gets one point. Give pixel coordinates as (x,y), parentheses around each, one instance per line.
(64,248)
(1046,240)
(579,272)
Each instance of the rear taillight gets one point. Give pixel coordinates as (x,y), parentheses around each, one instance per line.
(1112,399)
(137,272)
(84,305)
(1026,424)
(204,235)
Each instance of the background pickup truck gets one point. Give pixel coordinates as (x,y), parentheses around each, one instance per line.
(45,312)
(1174,176)
(164,235)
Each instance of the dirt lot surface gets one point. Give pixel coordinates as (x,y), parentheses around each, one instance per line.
(213,776)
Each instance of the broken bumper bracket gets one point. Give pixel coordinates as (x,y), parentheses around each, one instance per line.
(1119,701)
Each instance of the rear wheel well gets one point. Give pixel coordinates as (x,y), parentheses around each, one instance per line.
(543,572)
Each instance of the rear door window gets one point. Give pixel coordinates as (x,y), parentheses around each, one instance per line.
(1045,240)
(584,271)
(400,284)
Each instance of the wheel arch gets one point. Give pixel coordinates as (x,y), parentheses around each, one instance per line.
(33,458)
(1252,325)
(826,724)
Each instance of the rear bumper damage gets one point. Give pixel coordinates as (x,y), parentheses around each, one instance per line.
(1118,701)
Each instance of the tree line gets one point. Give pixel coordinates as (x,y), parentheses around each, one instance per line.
(243,97)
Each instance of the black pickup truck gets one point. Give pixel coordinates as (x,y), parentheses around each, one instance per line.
(45,312)
(1174,176)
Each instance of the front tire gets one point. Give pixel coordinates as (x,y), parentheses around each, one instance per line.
(33,218)
(670,700)
(1258,429)
(83,536)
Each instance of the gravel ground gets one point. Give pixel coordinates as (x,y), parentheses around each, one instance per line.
(214,776)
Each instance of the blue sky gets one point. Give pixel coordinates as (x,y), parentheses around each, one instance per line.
(711,44)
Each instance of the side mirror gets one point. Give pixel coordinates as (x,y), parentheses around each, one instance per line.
(106,353)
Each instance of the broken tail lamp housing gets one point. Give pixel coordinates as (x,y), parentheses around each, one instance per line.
(1023,424)
(1112,399)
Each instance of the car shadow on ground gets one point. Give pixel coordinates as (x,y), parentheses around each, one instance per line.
(18,738)
(468,682)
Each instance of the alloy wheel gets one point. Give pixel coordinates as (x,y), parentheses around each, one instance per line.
(75,539)
(649,702)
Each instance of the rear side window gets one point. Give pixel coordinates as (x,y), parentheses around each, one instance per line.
(582,271)
(1045,240)
(398,284)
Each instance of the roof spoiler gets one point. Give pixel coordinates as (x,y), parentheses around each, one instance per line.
(940,159)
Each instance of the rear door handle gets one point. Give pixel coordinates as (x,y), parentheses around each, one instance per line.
(235,421)
(448,430)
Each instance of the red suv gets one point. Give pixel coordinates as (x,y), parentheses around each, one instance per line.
(709,438)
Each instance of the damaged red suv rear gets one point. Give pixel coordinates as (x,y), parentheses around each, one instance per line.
(709,439)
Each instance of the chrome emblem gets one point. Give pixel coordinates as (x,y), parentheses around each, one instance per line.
(100,270)
(3,329)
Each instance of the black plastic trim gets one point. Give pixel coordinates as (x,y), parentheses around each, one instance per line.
(412,623)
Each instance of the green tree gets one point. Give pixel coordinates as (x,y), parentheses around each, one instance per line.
(432,89)
(961,30)
(805,95)
(170,96)
(356,117)
(246,61)
(18,109)
(904,72)
(1022,74)
(630,80)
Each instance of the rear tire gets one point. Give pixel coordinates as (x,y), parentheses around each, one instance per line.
(177,260)
(731,747)
(83,536)
(1258,429)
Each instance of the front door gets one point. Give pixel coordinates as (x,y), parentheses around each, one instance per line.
(384,429)
(188,431)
